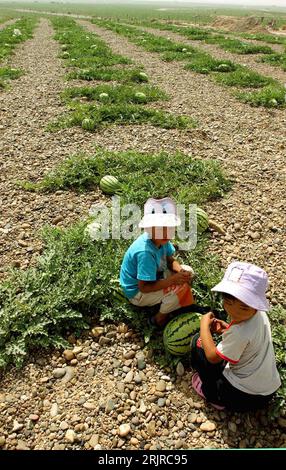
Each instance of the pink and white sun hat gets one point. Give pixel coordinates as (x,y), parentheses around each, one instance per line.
(247,283)
(160,213)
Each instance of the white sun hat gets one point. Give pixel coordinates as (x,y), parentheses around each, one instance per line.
(160,213)
(247,283)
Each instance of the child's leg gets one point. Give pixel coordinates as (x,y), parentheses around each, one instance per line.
(173,299)
(236,400)
(216,387)
(210,374)
(147,300)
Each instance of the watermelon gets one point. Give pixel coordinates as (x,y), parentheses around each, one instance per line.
(88,124)
(224,68)
(202,220)
(65,55)
(140,97)
(138,76)
(273,103)
(109,184)
(143,77)
(178,333)
(103,97)
(64,47)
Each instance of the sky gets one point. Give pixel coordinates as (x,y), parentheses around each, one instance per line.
(280,3)
(251,3)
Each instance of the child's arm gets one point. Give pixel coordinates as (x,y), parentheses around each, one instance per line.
(207,339)
(153,286)
(173,264)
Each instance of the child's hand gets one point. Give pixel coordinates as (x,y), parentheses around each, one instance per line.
(181,278)
(207,320)
(218,326)
(191,275)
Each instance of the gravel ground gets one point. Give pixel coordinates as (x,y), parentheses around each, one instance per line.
(29,151)
(106,392)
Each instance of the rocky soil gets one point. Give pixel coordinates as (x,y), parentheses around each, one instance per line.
(106,391)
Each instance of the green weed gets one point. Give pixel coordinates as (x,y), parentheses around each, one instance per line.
(277,318)
(8,41)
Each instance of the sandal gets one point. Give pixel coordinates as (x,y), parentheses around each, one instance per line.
(197,386)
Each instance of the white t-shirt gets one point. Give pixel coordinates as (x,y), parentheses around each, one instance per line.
(248,348)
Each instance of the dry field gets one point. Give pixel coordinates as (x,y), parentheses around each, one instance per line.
(109,381)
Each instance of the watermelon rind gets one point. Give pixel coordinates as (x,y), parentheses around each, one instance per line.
(179,331)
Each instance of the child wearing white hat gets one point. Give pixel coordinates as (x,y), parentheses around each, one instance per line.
(240,372)
(149,273)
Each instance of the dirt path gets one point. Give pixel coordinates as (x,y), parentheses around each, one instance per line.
(218,53)
(251,145)
(278,33)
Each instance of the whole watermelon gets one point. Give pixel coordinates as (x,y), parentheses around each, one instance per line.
(88,124)
(202,220)
(178,333)
(103,97)
(109,184)
(224,68)
(140,97)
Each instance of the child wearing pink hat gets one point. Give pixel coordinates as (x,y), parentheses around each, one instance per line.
(240,372)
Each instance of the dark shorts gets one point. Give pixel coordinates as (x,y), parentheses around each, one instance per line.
(217,389)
